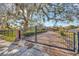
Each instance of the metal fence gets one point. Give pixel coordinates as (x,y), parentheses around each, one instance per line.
(69,40)
(8,35)
(72,41)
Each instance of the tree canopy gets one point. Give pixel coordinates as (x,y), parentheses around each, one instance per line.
(46,11)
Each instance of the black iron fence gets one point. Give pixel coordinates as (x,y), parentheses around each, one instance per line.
(8,35)
(69,40)
(72,40)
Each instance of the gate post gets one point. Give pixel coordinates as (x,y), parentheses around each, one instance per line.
(74,42)
(18,35)
(78,43)
(35,33)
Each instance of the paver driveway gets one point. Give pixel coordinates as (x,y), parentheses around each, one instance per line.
(49,37)
(52,38)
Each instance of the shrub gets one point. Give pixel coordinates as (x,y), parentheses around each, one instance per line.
(29,33)
(62,33)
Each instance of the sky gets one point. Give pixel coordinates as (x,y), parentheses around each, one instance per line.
(50,23)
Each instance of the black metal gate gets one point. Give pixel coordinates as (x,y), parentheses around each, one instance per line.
(68,42)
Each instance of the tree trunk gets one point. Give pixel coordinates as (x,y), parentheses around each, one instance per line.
(26,25)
